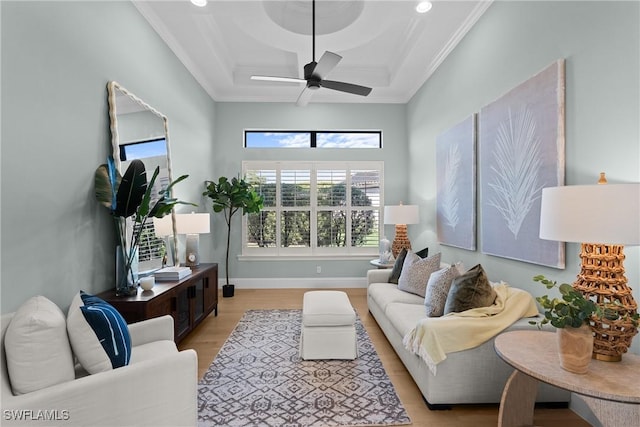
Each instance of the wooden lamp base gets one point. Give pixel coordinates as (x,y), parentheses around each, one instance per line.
(401,240)
(602,279)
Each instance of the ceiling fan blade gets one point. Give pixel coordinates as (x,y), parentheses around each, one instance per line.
(304,97)
(346,87)
(327,62)
(278,79)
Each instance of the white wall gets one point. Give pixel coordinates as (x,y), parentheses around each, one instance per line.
(57,58)
(233,118)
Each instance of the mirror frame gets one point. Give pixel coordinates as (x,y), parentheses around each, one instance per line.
(112,88)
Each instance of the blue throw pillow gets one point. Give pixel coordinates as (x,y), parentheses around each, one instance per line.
(99,335)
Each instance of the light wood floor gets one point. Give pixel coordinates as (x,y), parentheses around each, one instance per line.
(211,334)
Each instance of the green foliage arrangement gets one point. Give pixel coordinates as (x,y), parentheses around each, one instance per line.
(129,196)
(572,310)
(229,197)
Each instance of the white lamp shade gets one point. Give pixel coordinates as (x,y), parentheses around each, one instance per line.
(604,214)
(401,214)
(163,226)
(193,223)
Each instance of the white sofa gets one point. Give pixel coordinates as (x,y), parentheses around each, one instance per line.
(476,375)
(157,388)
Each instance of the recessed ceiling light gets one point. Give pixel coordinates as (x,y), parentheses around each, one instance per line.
(199,3)
(422,7)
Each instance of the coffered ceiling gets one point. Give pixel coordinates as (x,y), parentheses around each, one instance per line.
(385,44)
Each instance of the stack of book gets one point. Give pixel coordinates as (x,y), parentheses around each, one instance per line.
(172,273)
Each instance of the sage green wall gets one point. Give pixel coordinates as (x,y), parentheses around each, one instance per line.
(233,118)
(600,42)
(57,58)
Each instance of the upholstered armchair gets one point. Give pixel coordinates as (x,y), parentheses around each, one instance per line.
(157,388)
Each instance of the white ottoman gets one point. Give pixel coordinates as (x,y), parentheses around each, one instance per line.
(328,326)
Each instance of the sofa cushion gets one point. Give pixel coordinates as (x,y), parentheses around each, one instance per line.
(37,349)
(416,271)
(99,334)
(404,317)
(386,293)
(470,290)
(438,289)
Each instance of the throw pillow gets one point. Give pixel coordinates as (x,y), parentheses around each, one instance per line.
(471,290)
(99,335)
(397,267)
(423,253)
(416,271)
(37,349)
(438,289)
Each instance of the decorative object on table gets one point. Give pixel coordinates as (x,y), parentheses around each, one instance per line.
(249,380)
(386,255)
(602,218)
(228,197)
(456,185)
(129,196)
(147,283)
(521,150)
(192,225)
(163,228)
(172,273)
(401,215)
(572,312)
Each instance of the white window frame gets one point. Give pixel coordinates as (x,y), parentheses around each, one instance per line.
(313,251)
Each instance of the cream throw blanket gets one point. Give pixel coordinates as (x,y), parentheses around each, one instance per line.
(434,337)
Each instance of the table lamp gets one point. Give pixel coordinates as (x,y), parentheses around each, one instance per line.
(401,215)
(603,218)
(192,225)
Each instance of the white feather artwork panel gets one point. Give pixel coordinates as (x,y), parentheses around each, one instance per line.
(521,151)
(456,185)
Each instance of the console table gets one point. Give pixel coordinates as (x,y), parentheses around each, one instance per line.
(610,389)
(188,300)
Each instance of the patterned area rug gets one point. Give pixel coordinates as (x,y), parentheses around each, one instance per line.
(258,379)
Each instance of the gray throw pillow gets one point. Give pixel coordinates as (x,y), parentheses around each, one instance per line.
(416,271)
(397,267)
(470,290)
(438,289)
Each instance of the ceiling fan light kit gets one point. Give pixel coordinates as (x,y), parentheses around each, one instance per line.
(315,72)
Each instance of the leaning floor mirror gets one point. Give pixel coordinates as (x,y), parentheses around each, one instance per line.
(139,131)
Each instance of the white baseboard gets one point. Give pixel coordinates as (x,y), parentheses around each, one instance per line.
(301,282)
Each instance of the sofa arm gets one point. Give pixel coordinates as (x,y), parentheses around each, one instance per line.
(378,276)
(156,392)
(151,330)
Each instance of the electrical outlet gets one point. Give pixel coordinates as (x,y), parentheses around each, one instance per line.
(318,269)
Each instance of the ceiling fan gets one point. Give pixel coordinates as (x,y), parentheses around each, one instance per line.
(315,72)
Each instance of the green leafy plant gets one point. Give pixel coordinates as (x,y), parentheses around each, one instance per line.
(129,196)
(573,309)
(229,197)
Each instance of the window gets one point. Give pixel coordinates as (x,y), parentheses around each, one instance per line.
(314,208)
(312,139)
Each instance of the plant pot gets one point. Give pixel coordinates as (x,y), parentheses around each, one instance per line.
(228,290)
(575,348)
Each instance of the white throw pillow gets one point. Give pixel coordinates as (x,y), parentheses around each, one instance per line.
(99,335)
(37,347)
(416,271)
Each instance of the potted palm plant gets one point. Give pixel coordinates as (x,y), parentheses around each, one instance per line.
(230,197)
(129,196)
(570,314)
